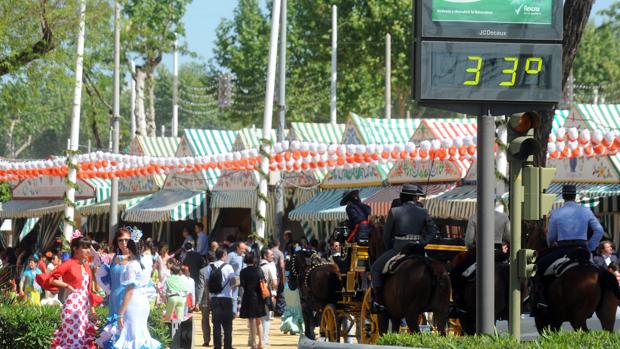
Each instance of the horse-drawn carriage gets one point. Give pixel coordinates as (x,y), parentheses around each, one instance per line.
(352,311)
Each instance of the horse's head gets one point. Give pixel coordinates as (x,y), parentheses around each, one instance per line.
(299,261)
(375,242)
(536,235)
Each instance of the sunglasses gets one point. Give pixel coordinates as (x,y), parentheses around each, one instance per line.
(123,240)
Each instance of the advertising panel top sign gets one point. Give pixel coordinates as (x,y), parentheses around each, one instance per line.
(492,19)
(498,11)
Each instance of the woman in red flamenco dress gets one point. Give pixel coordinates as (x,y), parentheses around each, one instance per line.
(74,275)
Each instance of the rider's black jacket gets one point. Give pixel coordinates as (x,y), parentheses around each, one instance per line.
(408,220)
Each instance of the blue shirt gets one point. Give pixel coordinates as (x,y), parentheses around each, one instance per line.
(571,222)
(236,261)
(202,246)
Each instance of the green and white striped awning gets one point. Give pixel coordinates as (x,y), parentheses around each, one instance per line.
(36,208)
(124,203)
(383,131)
(103,187)
(233,199)
(168,205)
(28,226)
(159,147)
(559,119)
(250,137)
(325,206)
(210,142)
(316,132)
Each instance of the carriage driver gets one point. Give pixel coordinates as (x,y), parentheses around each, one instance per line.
(567,231)
(408,224)
(357,212)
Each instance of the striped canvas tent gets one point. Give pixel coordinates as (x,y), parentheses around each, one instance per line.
(325,206)
(435,170)
(28,226)
(168,205)
(19,208)
(158,146)
(124,203)
(200,142)
(381,202)
(605,117)
(360,130)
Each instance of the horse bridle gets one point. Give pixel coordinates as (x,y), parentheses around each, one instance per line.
(306,273)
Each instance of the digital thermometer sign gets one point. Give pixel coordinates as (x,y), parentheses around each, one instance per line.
(480,56)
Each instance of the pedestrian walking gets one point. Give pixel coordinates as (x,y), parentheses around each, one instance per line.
(252,303)
(268,267)
(203,300)
(235,259)
(221,281)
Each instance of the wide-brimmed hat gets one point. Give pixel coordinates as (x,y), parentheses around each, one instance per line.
(348,195)
(412,189)
(569,189)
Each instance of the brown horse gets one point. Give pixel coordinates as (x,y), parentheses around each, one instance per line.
(318,282)
(466,299)
(411,290)
(577,294)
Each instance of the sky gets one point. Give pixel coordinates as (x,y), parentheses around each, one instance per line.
(203,16)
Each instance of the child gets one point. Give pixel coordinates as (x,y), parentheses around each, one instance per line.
(175,291)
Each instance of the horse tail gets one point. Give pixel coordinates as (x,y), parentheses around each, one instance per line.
(608,281)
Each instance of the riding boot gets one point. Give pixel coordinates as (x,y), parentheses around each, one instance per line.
(539,303)
(377,301)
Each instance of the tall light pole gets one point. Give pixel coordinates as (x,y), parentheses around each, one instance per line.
(388,76)
(75,129)
(175,87)
(332,112)
(115,117)
(281,119)
(133,98)
(266,142)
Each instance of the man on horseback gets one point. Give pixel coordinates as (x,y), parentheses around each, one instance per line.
(408,225)
(358,213)
(567,233)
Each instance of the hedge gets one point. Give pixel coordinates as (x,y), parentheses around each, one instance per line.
(32,327)
(548,340)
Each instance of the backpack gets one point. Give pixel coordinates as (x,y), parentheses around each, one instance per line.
(215,279)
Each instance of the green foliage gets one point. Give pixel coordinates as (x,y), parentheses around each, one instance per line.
(549,340)
(242,44)
(32,327)
(5,192)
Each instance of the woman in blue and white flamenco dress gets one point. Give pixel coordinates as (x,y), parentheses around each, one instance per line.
(123,282)
(135,308)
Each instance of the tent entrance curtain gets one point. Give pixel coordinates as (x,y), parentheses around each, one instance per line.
(325,206)
(169,205)
(28,227)
(49,228)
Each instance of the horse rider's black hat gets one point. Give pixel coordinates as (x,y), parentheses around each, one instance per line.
(412,189)
(569,189)
(348,195)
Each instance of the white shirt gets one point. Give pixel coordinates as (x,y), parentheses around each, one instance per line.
(271,274)
(228,275)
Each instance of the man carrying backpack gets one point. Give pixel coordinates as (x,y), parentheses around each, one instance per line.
(221,279)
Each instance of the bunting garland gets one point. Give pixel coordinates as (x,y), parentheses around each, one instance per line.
(301,156)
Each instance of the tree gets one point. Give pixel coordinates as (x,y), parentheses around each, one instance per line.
(576,14)
(151,30)
(242,43)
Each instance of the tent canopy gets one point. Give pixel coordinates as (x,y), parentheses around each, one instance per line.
(124,203)
(36,208)
(168,205)
(325,206)
(381,201)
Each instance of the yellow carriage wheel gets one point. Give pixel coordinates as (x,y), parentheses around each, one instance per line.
(329,324)
(369,322)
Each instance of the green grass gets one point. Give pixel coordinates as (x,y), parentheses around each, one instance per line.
(549,340)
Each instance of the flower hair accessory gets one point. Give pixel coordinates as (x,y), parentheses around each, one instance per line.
(136,234)
(76,234)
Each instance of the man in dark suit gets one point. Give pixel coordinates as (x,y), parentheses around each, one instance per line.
(407,224)
(194,262)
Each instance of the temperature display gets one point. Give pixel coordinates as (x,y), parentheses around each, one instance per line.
(491,71)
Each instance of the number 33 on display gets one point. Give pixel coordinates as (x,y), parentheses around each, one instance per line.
(533,66)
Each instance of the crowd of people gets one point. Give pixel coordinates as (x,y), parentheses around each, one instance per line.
(221,279)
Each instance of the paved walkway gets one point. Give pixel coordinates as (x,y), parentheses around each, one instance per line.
(277,339)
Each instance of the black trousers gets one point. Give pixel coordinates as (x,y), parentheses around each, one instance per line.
(206,324)
(222,316)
